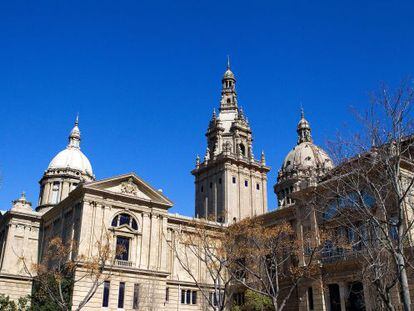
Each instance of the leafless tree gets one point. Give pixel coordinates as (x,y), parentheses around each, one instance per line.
(369,194)
(63,266)
(203,244)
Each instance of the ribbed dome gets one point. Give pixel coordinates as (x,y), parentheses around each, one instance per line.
(306,155)
(305,158)
(72,158)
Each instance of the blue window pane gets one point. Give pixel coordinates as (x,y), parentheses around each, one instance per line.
(121,295)
(105,300)
(134,224)
(124,219)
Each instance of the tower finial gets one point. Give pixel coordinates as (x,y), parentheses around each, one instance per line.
(263,158)
(75,135)
(228,62)
(197,161)
(241,113)
(303,129)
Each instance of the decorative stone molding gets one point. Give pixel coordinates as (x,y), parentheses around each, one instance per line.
(128,187)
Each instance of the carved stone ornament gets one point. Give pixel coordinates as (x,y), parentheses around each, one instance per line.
(128,187)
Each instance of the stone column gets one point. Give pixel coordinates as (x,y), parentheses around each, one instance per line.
(264,192)
(46,193)
(164,245)
(343,291)
(319,296)
(146,232)
(65,190)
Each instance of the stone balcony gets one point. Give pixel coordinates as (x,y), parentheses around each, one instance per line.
(123,263)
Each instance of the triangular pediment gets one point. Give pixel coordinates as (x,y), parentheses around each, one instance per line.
(130,186)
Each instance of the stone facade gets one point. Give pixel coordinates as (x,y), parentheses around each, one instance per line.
(230,184)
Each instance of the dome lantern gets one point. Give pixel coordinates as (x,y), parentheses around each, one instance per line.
(304,129)
(75,135)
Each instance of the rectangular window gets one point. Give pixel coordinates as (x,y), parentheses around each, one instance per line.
(136,296)
(121,295)
(257,186)
(105,298)
(122,248)
(310,298)
(183,296)
(188,297)
(219,181)
(167,294)
(246,183)
(234,180)
(55,192)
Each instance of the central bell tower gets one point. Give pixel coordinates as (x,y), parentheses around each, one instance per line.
(230,184)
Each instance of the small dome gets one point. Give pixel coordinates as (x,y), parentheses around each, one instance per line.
(304,156)
(228,74)
(303,124)
(72,158)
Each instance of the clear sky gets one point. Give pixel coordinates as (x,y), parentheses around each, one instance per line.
(145,77)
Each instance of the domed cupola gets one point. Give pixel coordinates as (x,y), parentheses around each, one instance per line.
(306,162)
(66,170)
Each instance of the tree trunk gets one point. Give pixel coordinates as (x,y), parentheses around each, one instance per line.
(402,277)
(274,301)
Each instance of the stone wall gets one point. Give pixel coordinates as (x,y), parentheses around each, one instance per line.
(15,287)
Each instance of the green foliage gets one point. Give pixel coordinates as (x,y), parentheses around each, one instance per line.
(236,308)
(255,302)
(41,300)
(9,305)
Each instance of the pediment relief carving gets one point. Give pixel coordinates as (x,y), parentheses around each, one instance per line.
(128,187)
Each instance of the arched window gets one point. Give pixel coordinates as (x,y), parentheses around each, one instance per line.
(243,150)
(124,219)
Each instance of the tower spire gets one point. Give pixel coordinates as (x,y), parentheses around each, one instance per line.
(75,135)
(304,129)
(228,90)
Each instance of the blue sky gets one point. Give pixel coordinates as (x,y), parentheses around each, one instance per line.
(145,77)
